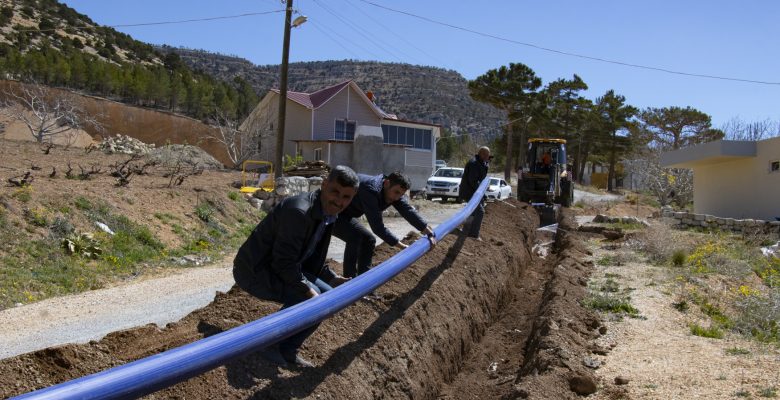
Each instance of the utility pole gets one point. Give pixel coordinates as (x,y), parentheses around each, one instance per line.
(279,161)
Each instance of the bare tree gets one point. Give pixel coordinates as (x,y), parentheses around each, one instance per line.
(239,145)
(738,129)
(668,185)
(46,114)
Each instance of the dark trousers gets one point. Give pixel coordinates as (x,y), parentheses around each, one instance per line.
(476,219)
(289,347)
(359,249)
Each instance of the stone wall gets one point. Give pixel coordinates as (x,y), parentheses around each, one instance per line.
(753,226)
(284,187)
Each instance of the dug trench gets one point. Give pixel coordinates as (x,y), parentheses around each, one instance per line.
(470,319)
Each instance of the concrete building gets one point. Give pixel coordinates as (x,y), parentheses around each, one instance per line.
(341,125)
(734,179)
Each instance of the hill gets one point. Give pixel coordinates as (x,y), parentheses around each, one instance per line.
(421,93)
(52,44)
(70,200)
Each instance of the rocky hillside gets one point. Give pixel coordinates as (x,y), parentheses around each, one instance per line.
(412,92)
(51,43)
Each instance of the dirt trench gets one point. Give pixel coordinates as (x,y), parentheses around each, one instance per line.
(434,332)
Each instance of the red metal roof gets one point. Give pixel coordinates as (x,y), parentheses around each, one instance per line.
(316,99)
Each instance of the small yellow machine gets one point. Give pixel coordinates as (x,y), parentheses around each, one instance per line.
(257,175)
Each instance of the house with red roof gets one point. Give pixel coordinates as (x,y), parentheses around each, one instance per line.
(342,125)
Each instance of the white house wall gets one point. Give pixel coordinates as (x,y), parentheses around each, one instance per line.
(743,188)
(345,104)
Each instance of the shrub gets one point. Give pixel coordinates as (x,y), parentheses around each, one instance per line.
(712,332)
(83,244)
(681,306)
(60,228)
(23,194)
(235,196)
(768,392)
(204,212)
(737,351)
(678,258)
(36,216)
(611,303)
(604,261)
(758,316)
(82,203)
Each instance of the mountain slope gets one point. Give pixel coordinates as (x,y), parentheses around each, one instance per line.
(413,92)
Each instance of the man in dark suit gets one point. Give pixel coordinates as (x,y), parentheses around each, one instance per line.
(283,260)
(376,194)
(476,170)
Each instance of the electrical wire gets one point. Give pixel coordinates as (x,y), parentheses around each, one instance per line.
(570,54)
(317,27)
(183,21)
(357,29)
(391,31)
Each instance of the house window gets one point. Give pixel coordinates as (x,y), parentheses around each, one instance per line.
(774,166)
(345,129)
(413,137)
(318,154)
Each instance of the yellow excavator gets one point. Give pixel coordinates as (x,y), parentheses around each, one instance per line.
(545,180)
(257,175)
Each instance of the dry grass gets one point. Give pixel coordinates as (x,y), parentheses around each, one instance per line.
(724,275)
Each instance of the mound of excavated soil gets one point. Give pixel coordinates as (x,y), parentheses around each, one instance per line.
(410,343)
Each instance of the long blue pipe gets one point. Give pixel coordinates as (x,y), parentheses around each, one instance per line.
(159,371)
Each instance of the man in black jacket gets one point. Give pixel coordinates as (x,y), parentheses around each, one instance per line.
(376,193)
(283,260)
(476,170)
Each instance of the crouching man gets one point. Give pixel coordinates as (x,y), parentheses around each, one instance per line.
(376,194)
(283,260)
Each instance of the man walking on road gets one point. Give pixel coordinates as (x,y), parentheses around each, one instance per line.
(376,193)
(283,260)
(476,170)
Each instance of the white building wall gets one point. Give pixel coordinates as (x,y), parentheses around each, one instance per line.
(744,188)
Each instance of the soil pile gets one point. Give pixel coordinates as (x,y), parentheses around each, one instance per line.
(423,329)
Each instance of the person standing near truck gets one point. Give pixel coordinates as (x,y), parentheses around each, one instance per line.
(475,171)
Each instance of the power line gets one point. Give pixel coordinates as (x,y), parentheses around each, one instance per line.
(391,31)
(566,53)
(357,29)
(316,26)
(183,21)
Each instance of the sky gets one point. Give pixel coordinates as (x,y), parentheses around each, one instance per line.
(557,39)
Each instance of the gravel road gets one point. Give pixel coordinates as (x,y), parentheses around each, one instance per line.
(91,315)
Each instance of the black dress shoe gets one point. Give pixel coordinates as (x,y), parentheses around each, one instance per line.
(273,355)
(299,362)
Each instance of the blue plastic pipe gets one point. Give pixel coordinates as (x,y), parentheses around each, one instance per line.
(168,368)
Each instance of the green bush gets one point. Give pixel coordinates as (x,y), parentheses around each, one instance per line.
(712,332)
(235,196)
(678,258)
(204,212)
(36,216)
(23,194)
(737,351)
(604,261)
(82,203)
(611,303)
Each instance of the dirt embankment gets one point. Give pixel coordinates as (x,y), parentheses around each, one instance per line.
(434,326)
